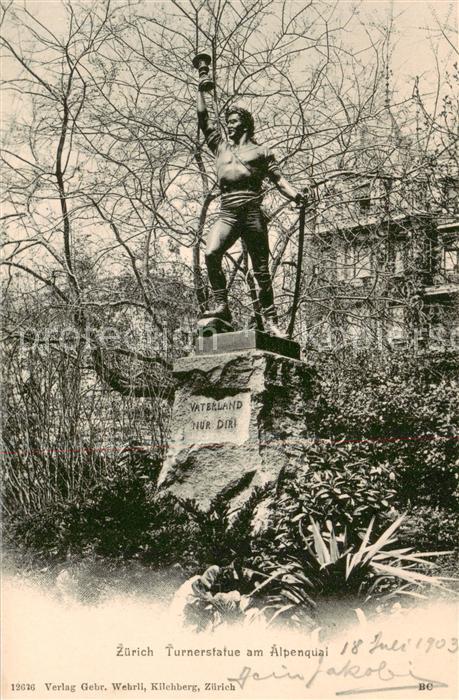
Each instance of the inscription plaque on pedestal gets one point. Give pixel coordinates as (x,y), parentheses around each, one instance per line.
(212,421)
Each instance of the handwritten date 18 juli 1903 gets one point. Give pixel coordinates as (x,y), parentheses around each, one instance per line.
(421,644)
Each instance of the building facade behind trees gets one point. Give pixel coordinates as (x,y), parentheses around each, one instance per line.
(383,265)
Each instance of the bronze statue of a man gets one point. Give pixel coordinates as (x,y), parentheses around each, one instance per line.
(241,164)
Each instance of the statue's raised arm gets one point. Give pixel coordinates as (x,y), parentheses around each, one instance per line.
(211,133)
(241,166)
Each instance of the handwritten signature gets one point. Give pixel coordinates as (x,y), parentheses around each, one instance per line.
(381,672)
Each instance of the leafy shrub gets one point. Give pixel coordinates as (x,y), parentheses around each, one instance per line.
(154,531)
(117,518)
(218,596)
(122,519)
(431,528)
(341,483)
(220,534)
(403,414)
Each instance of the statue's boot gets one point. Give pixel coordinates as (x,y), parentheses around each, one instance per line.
(221,309)
(271,324)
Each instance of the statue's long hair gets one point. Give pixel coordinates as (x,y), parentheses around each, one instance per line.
(246,119)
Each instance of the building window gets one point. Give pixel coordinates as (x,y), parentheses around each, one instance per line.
(450,193)
(362,263)
(451,261)
(396,329)
(364,199)
(327,263)
(353,329)
(343,264)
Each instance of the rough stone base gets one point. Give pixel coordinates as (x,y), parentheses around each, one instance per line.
(239,420)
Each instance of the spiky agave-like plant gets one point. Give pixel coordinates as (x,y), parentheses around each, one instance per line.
(332,566)
(332,570)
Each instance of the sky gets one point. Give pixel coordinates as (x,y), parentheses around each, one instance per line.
(413,17)
(418,41)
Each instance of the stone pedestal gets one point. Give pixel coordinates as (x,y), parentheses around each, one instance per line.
(249,339)
(239,419)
